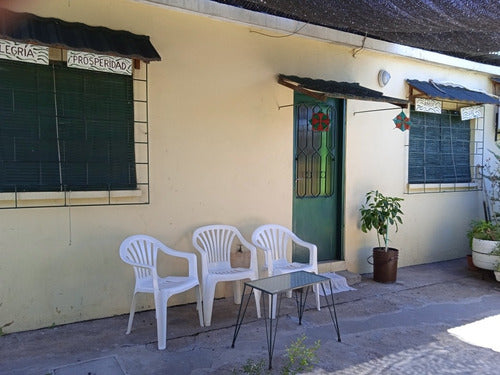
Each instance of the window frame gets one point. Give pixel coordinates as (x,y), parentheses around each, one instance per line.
(140,194)
(476,155)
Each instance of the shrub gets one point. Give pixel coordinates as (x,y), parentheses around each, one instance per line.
(299,357)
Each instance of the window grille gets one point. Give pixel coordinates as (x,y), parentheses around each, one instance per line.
(72,137)
(444,153)
(314,152)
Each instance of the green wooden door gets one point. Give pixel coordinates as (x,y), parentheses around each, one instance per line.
(318,171)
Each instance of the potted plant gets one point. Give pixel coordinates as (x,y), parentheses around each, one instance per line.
(380,212)
(484,235)
(484,238)
(497,271)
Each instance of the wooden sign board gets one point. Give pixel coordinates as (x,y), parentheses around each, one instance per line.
(102,63)
(428,105)
(469,113)
(31,53)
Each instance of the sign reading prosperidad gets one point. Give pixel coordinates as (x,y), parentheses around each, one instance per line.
(103,63)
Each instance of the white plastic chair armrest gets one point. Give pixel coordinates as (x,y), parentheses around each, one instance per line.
(153,271)
(139,265)
(169,251)
(192,263)
(204,260)
(190,257)
(313,260)
(313,249)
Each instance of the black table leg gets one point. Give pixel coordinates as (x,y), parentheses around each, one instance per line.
(272,325)
(240,317)
(334,314)
(300,301)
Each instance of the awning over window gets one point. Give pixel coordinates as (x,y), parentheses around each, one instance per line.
(432,90)
(321,90)
(53,32)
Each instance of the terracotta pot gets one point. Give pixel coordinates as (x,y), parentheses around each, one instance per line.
(470,263)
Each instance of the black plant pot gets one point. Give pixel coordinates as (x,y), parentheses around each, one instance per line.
(385,264)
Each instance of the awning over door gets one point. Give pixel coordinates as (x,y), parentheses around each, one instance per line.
(433,90)
(53,32)
(321,90)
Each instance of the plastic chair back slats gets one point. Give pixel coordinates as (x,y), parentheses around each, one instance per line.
(142,252)
(276,240)
(217,244)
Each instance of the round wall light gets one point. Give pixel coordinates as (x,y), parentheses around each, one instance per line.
(383,77)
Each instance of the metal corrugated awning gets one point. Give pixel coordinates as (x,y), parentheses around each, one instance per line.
(433,90)
(53,32)
(321,90)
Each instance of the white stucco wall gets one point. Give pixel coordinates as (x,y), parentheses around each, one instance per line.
(220,152)
(435,224)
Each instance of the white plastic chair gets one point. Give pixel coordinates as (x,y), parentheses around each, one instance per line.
(276,240)
(141,251)
(214,243)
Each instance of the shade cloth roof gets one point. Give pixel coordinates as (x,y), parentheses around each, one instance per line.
(53,32)
(321,89)
(434,90)
(463,28)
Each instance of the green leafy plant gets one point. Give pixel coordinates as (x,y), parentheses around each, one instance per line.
(252,367)
(489,229)
(380,212)
(496,251)
(299,357)
(484,230)
(491,173)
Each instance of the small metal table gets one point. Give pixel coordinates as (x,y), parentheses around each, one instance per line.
(277,285)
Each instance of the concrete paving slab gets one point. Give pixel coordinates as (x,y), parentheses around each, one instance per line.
(98,366)
(399,328)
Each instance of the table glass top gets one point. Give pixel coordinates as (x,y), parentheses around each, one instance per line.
(287,281)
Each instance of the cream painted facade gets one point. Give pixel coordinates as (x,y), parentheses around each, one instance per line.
(221,151)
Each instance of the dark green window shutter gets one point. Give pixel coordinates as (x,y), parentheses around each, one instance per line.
(65,129)
(96,128)
(28,152)
(439,149)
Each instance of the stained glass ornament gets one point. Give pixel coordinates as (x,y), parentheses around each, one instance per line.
(402,121)
(320,121)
